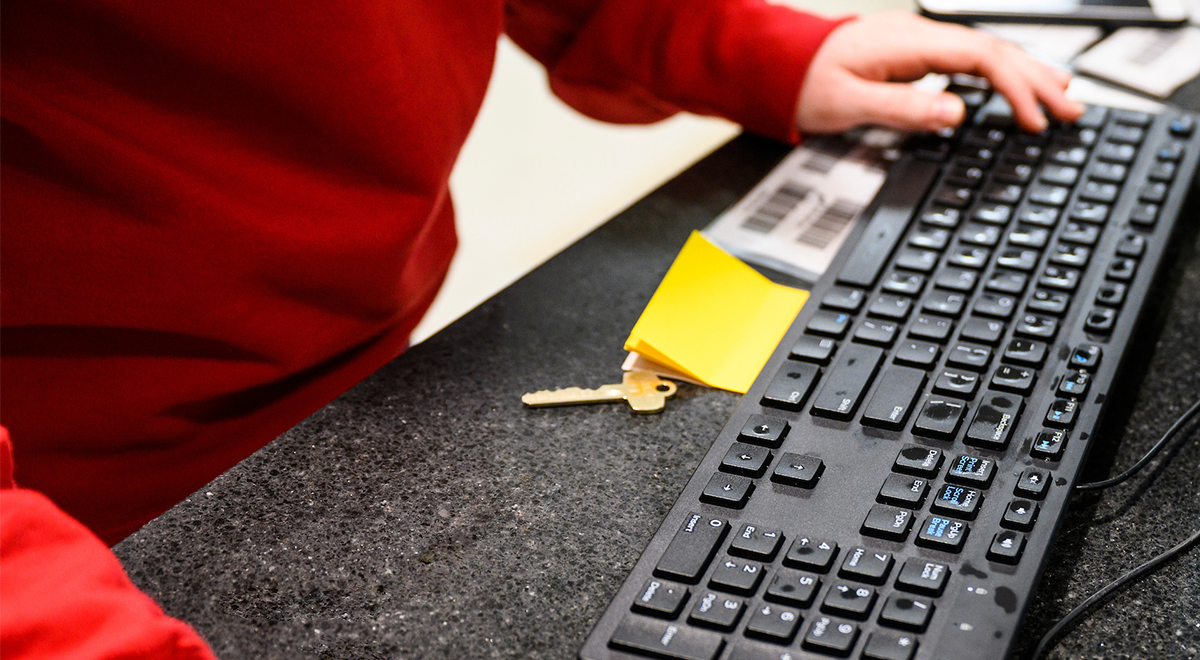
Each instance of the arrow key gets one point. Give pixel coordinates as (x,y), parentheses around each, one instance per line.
(1020,515)
(1006,547)
(727,490)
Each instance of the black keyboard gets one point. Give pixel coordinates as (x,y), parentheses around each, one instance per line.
(891,484)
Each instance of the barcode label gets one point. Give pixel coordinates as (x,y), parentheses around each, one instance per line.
(781,202)
(831,223)
(820,163)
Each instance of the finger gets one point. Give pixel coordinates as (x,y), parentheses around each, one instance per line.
(901,106)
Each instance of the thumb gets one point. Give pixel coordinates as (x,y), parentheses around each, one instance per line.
(904,107)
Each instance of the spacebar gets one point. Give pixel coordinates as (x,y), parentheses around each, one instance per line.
(901,193)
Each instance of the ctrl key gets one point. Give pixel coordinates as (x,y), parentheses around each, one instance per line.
(665,640)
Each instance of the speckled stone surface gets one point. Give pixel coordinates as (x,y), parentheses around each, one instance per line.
(427,514)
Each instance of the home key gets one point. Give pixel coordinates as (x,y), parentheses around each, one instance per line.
(645,392)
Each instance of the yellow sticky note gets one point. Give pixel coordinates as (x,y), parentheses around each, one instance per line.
(714,318)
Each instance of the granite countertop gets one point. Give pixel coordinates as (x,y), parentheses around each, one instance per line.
(426,513)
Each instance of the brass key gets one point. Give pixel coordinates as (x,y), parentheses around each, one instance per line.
(645,392)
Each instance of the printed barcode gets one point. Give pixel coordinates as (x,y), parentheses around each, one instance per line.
(775,209)
(831,223)
(820,163)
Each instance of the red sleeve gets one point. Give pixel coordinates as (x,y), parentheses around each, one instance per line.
(64,594)
(635,61)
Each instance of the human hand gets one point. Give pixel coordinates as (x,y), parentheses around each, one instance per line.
(859,76)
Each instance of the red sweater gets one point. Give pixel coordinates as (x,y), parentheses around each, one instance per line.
(218,216)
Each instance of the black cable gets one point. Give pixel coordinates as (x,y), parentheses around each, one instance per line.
(1171,433)
(1100,595)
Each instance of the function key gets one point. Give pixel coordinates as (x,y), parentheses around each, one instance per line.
(882,646)
(1172,151)
(1006,547)
(714,610)
(1131,245)
(746,459)
(661,598)
(1086,356)
(1034,483)
(1100,321)
(1163,170)
(812,553)
(740,577)
(1111,294)
(791,386)
(798,470)
(887,522)
(793,587)
(871,566)
(918,460)
(756,542)
(764,430)
(843,298)
(832,636)
(943,534)
(1074,384)
(971,471)
(1183,126)
(923,576)
(1144,215)
(692,548)
(1061,413)
(664,639)
(813,349)
(773,623)
(1049,445)
(907,612)
(1020,515)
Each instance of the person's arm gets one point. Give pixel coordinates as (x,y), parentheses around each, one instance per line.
(63,594)
(749,61)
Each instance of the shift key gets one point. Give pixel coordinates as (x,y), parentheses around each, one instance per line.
(846,384)
(692,548)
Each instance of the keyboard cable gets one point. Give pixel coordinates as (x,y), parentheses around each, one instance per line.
(1099,596)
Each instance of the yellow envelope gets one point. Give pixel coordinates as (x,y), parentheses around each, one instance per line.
(714,318)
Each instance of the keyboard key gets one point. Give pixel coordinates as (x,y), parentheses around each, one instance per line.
(1036,326)
(796,588)
(1029,237)
(692,548)
(882,333)
(1062,412)
(871,566)
(890,306)
(942,216)
(791,386)
(755,542)
(661,598)
(1091,212)
(882,646)
(907,612)
(829,323)
(921,261)
(918,460)
(1049,302)
(995,419)
(971,471)
(1020,515)
(1017,380)
(728,490)
(940,418)
(745,459)
(1116,153)
(1024,260)
(798,470)
(887,522)
(1006,547)
(923,576)
(1034,483)
(933,328)
(977,233)
(918,354)
(844,388)
(832,636)
(662,639)
(893,400)
(992,213)
(984,331)
(1111,293)
(947,303)
(995,305)
(943,534)
(1086,356)
(1006,281)
(1048,195)
(813,349)
(1074,256)
(849,599)
(903,283)
(1025,352)
(1049,445)
(812,553)
(967,256)
(930,238)
(903,490)
(843,298)
(969,356)
(956,279)
(774,623)
(1078,232)
(1038,215)
(1121,269)
(957,501)
(714,610)
(1144,215)
(1074,384)
(961,384)
(764,430)
(740,577)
